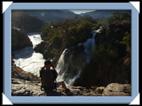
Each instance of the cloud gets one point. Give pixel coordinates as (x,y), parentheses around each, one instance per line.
(81,11)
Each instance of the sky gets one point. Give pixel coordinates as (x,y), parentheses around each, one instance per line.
(81,11)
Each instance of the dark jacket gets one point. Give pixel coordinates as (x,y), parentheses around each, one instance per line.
(48,76)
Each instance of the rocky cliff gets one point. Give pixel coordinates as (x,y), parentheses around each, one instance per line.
(19,40)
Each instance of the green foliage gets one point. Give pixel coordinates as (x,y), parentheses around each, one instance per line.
(111,59)
(64,35)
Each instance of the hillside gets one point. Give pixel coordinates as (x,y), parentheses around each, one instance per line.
(25,22)
(51,16)
(102,14)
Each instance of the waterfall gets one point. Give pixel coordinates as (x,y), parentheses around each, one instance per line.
(29,60)
(89,44)
(73,60)
(60,62)
(60,67)
(89,47)
(69,66)
(35,39)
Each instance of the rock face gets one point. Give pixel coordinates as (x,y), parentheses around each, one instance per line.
(21,74)
(19,40)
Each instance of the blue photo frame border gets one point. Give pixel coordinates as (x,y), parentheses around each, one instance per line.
(72,99)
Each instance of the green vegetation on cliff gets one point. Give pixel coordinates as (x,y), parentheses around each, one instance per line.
(57,37)
(112,57)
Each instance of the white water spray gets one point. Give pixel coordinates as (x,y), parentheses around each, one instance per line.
(29,60)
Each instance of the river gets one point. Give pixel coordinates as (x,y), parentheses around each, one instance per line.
(28,59)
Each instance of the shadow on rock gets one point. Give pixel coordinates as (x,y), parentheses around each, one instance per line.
(66,92)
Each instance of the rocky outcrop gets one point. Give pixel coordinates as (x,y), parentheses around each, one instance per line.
(17,72)
(116,89)
(19,40)
(22,87)
(42,48)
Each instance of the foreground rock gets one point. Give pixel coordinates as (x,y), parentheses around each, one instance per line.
(32,88)
(26,88)
(19,73)
(116,89)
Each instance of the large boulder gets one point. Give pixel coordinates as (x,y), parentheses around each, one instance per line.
(116,89)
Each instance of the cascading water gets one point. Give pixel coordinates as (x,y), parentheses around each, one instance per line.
(72,61)
(29,60)
(89,47)
(35,39)
(69,66)
(90,43)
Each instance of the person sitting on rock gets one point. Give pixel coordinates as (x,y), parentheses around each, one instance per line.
(48,76)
